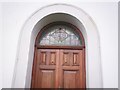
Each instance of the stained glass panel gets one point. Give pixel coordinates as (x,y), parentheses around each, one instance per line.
(60,35)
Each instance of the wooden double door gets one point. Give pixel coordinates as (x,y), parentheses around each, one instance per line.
(58,68)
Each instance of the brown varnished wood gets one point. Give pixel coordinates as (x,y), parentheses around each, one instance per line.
(60,47)
(84,69)
(45,71)
(70,68)
(70,71)
(61,72)
(70,79)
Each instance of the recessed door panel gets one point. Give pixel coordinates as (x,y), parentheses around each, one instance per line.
(46,79)
(71,79)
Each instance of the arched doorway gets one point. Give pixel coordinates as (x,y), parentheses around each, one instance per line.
(44,16)
(59,59)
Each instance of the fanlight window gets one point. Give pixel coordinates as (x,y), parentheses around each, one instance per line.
(60,35)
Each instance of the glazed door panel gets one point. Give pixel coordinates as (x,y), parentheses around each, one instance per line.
(58,68)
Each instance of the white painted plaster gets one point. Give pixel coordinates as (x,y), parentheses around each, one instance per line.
(104,14)
(1,45)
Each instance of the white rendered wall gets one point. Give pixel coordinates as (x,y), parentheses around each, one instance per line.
(104,16)
(0,46)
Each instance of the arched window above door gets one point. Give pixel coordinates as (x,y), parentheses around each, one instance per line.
(60,35)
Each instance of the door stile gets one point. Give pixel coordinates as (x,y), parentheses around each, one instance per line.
(81,68)
(37,69)
(61,85)
(57,70)
(34,68)
(84,69)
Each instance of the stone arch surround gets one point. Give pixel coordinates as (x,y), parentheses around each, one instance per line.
(44,16)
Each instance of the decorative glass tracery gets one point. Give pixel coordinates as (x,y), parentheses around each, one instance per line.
(60,35)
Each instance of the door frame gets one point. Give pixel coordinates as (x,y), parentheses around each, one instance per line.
(37,46)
